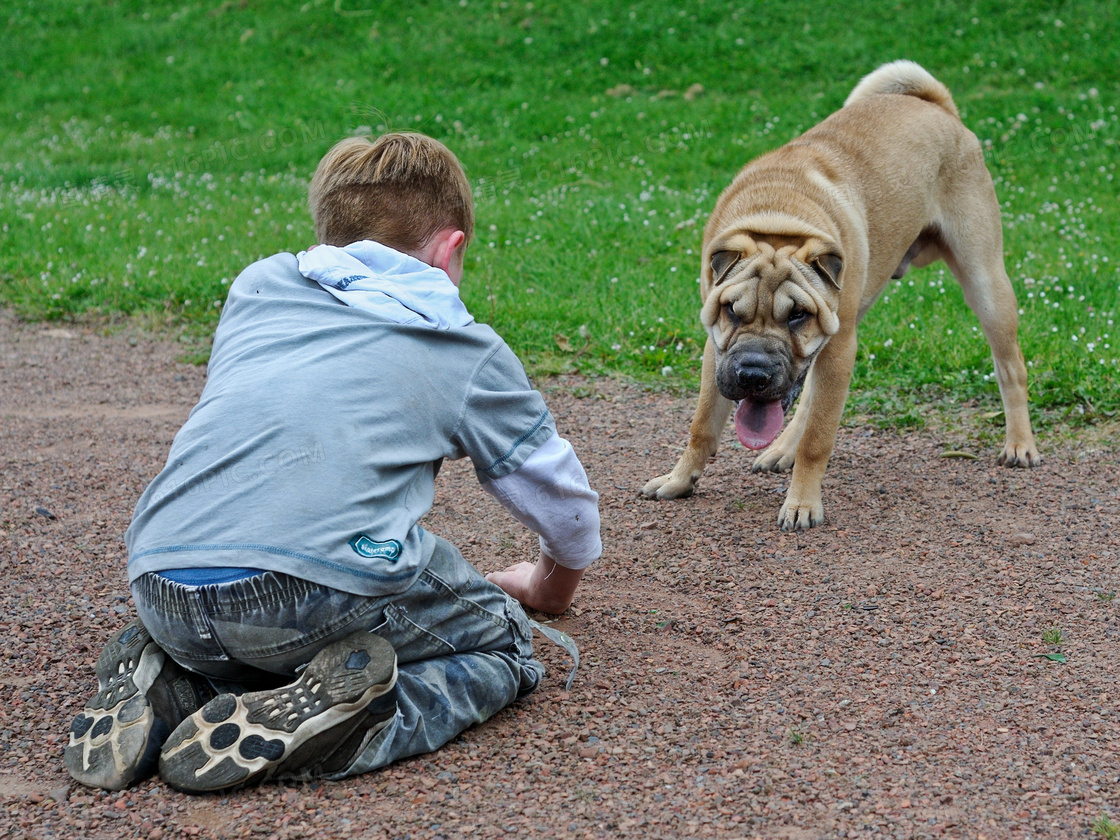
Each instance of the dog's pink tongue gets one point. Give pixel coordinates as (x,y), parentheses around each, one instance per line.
(757,424)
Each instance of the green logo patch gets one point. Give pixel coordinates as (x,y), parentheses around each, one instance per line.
(376,549)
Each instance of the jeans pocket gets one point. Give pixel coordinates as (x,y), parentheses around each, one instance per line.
(409,639)
(520,625)
(532,671)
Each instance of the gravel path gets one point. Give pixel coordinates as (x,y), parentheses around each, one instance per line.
(881,676)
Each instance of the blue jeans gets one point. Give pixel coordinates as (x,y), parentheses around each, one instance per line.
(464,647)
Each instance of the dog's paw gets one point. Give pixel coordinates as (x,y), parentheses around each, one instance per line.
(669,486)
(773,460)
(1019,455)
(796,516)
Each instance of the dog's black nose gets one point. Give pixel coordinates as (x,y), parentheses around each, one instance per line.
(753,373)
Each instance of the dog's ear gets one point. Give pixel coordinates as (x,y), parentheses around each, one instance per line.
(828,266)
(723,262)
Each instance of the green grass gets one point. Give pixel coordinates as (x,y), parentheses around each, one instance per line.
(150,151)
(1104,827)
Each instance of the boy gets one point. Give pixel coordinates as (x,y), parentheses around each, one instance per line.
(278,554)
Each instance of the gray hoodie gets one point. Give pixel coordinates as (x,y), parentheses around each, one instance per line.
(315,444)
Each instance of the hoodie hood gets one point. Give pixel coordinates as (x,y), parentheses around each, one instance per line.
(381,280)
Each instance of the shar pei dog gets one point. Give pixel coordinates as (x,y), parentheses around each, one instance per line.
(799,246)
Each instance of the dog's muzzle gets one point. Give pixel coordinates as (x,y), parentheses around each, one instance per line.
(760,377)
(753,375)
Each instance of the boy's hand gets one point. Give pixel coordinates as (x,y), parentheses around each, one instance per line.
(543,586)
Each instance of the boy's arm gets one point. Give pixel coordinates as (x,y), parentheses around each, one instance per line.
(544,585)
(550,495)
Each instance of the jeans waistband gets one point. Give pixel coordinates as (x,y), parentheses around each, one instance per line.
(262,590)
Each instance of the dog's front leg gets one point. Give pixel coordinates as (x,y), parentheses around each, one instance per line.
(782,453)
(826,392)
(711,414)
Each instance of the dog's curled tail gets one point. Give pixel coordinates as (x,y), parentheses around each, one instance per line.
(905,78)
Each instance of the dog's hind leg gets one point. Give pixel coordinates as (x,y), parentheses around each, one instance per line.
(974,252)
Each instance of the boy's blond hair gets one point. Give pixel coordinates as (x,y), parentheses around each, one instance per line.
(399,190)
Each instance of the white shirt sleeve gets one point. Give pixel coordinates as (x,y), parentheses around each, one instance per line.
(550,495)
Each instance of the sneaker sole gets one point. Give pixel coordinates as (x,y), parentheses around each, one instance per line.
(236,741)
(115,740)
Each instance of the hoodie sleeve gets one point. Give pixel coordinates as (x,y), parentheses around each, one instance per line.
(549,494)
(503,419)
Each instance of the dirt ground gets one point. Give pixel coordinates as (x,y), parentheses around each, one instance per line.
(884,675)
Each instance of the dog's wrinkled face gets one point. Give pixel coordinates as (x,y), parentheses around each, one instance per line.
(769,311)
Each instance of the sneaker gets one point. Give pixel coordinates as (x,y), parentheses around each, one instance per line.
(143,695)
(312,727)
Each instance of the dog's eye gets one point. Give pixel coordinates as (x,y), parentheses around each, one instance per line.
(730,315)
(798,316)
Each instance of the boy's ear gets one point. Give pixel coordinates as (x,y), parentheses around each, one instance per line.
(447,243)
(445,251)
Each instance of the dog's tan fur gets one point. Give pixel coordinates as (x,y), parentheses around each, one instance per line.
(804,240)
